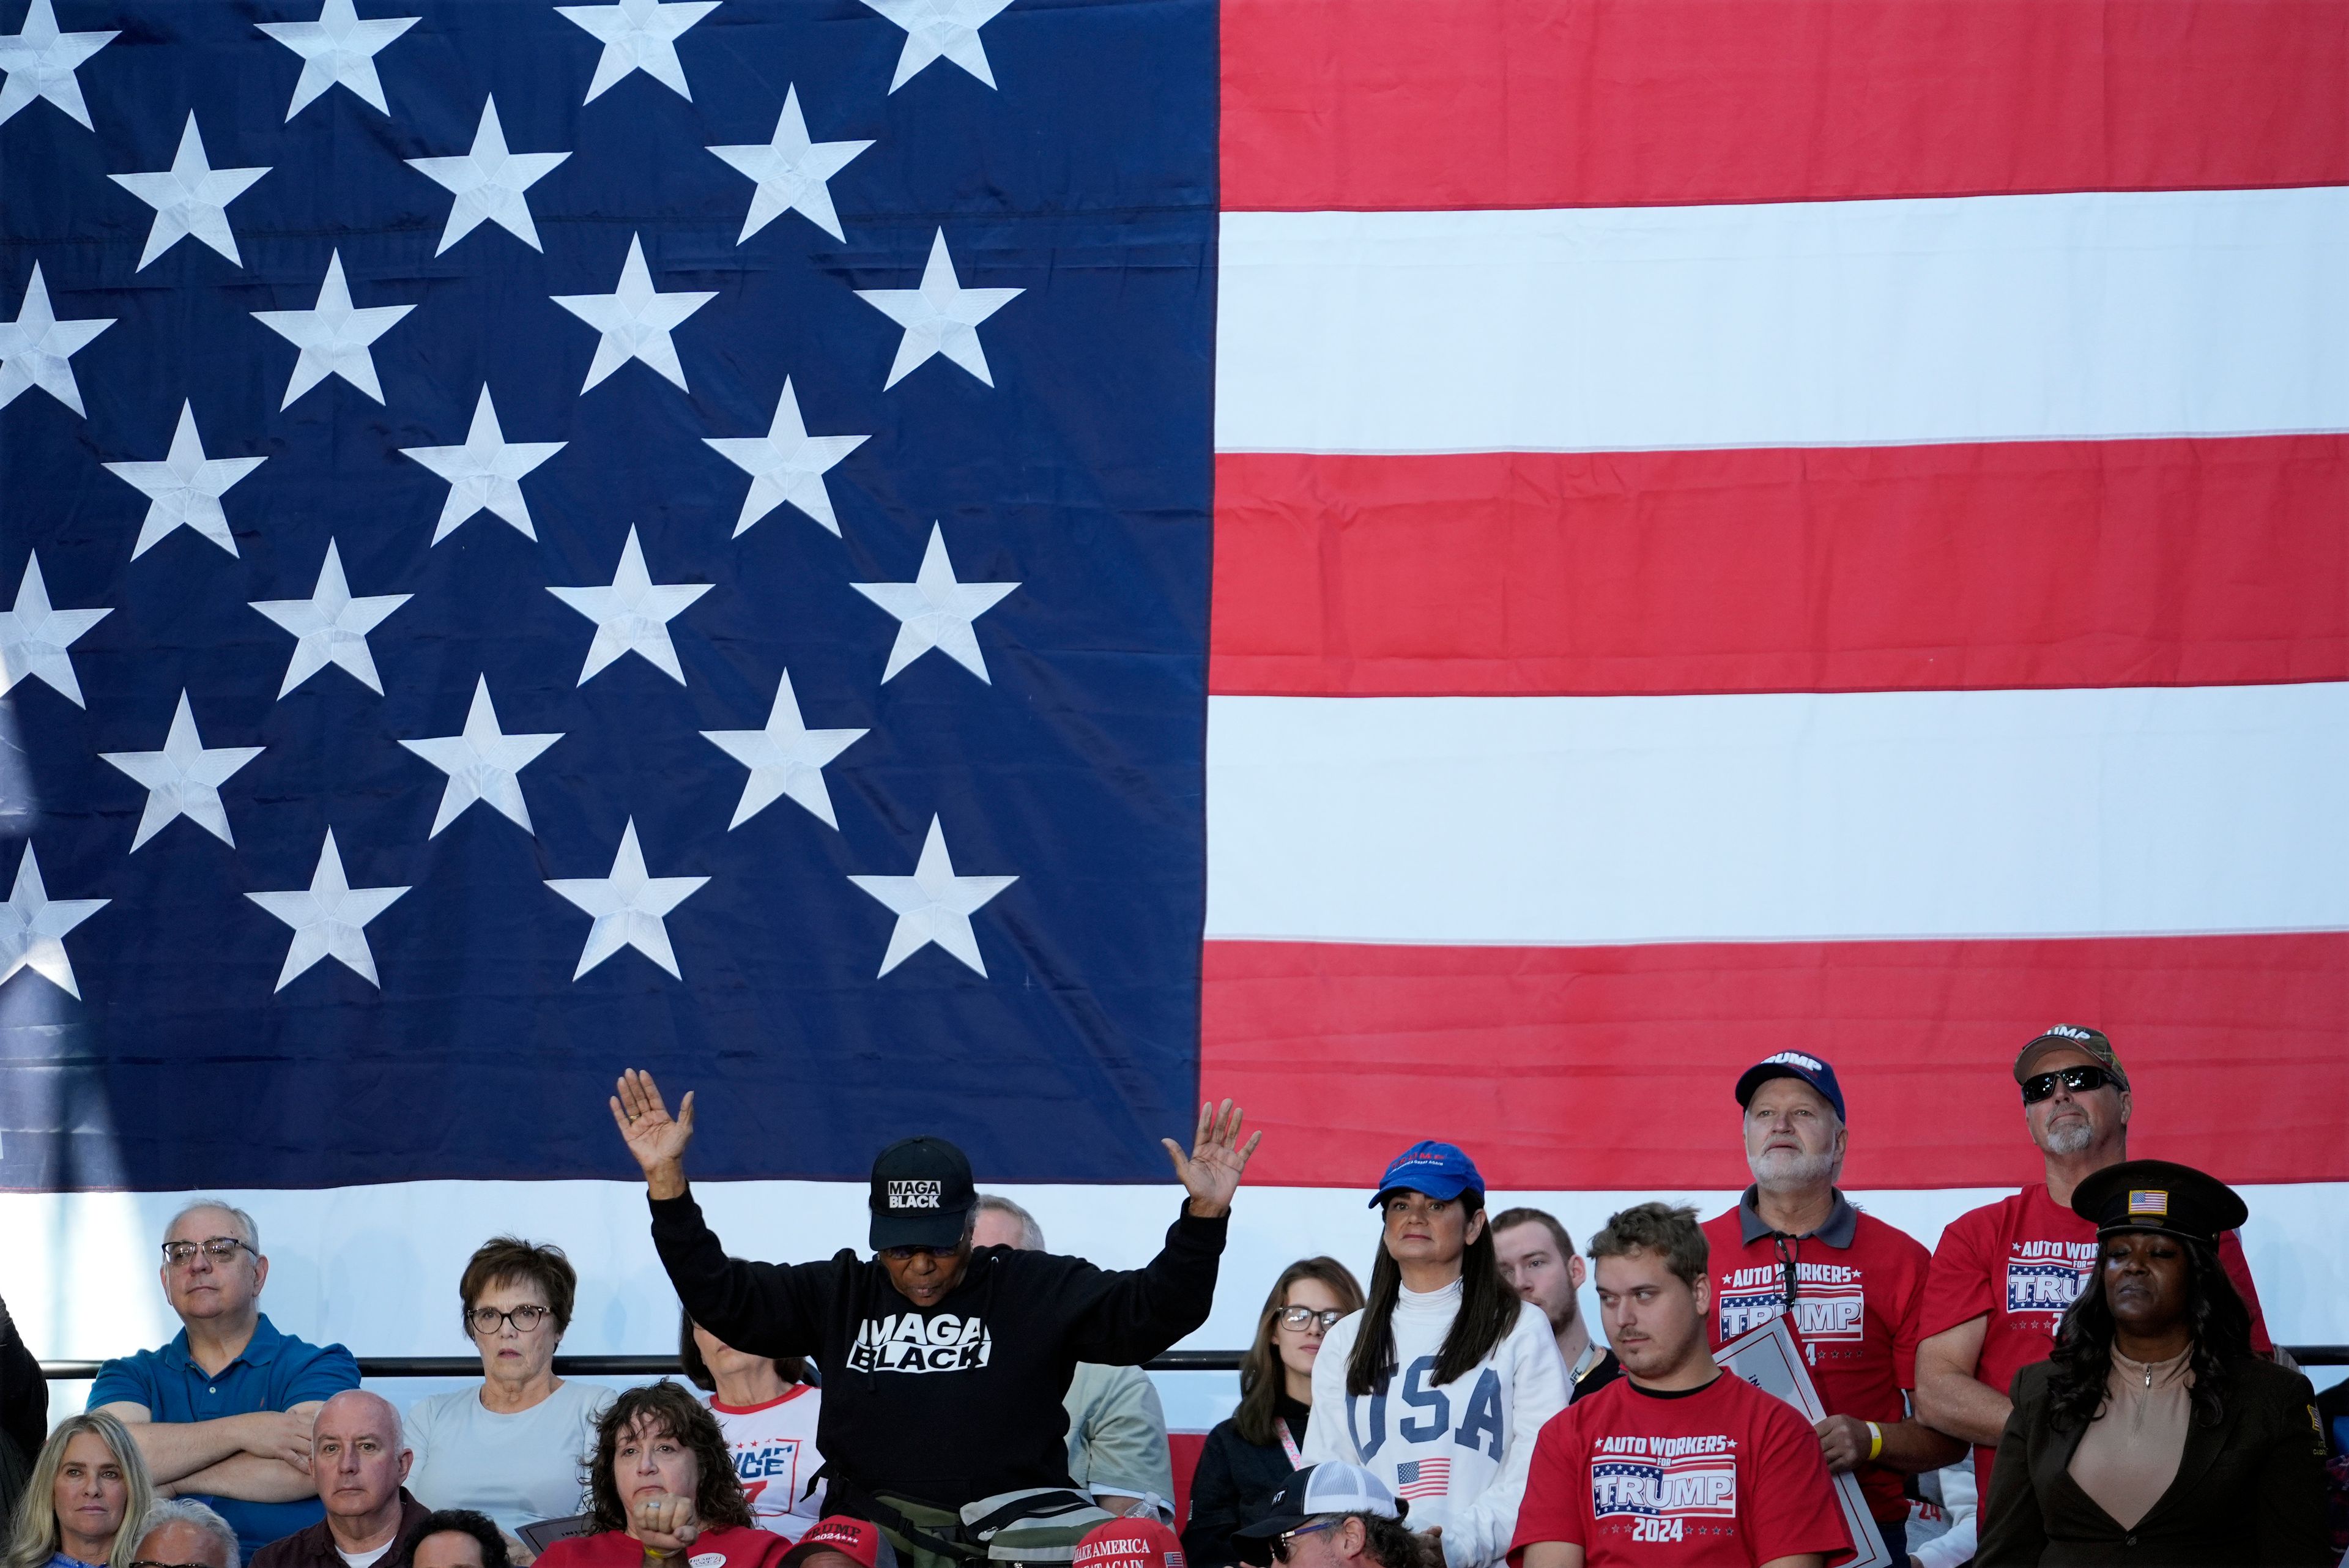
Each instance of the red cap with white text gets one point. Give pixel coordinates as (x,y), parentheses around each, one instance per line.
(858,1540)
(1140,1542)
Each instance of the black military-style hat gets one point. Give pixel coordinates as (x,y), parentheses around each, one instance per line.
(2158,1195)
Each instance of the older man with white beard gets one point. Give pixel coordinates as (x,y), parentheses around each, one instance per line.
(1850,1286)
(2004,1273)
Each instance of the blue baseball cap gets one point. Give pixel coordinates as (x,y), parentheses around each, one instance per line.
(1438,1169)
(1792,1064)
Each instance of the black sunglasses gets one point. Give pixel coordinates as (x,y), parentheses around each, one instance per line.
(1282,1543)
(2079,1080)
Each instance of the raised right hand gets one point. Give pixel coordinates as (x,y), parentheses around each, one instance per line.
(279,1435)
(655,1139)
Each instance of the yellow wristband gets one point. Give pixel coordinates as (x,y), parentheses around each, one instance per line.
(1875,1439)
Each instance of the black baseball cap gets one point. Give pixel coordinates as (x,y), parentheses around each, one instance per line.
(921,1194)
(2158,1195)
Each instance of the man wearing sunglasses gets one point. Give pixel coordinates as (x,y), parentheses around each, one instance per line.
(2004,1273)
(944,1365)
(1333,1515)
(223,1412)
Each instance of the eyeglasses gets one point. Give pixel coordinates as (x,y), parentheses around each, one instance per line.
(219,1249)
(486,1320)
(906,1254)
(1301,1317)
(1280,1542)
(2079,1080)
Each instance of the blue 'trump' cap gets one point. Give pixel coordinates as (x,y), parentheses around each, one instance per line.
(1439,1169)
(1801,1064)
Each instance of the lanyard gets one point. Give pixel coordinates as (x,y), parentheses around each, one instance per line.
(1787,1258)
(1288,1444)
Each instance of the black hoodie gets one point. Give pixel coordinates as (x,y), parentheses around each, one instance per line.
(960,1401)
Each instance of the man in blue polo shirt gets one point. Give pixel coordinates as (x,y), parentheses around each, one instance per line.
(222,1413)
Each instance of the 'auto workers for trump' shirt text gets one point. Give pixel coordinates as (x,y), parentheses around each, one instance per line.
(1859,1289)
(1722,1475)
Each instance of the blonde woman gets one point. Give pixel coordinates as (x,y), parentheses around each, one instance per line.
(84,1499)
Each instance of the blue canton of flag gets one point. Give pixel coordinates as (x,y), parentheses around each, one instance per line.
(536,538)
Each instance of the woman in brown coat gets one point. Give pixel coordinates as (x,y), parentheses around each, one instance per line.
(2153,1435)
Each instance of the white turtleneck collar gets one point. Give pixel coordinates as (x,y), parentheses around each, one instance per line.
(1429,1303)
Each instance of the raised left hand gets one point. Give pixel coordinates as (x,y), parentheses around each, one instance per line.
(1210,1173)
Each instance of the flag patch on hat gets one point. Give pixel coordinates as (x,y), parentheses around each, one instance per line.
(2153,1200)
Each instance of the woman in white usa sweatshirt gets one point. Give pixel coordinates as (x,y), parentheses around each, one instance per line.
(1440,1386)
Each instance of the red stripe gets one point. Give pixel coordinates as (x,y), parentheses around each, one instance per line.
(2048,564)
(1606,1068)
(1408,105)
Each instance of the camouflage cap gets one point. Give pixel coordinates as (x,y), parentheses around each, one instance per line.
(2089,1042)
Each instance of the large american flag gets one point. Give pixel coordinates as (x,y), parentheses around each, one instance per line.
(1460,570)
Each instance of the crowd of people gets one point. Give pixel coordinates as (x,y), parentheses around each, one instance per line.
(2089,1354)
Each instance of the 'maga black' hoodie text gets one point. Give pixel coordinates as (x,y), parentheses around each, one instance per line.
(961,1401)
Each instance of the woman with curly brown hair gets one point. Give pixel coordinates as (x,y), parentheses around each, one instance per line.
(660,1488)
(2154,1434)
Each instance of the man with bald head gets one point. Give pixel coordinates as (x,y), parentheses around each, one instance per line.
(360,1460)
(223,1412)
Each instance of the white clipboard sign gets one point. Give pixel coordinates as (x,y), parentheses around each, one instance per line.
(1768,1358)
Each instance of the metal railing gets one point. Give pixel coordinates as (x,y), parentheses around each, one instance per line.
(656,1365)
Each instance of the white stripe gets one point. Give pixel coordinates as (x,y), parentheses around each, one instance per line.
(1831,323)
(375,1268)
(1535,820)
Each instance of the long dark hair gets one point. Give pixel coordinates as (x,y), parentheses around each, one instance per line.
(1488,1310)
(2216,1317)
(716,1496)
(1260,1369)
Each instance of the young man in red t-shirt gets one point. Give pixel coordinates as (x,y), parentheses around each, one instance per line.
(1675,1464)
(1849,1285)
(2004,1272)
